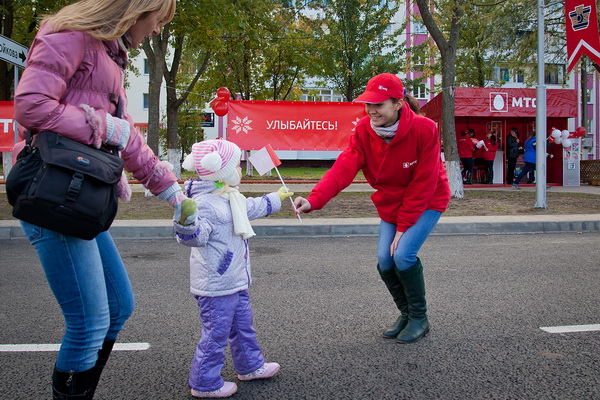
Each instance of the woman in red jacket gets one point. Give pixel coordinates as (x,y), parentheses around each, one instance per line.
(490,145)
(465,152)
(399,152)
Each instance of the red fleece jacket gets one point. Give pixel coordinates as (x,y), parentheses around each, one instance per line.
(408,173)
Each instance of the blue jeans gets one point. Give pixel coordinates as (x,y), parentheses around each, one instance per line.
(405,255)
(528,167)
(92,288)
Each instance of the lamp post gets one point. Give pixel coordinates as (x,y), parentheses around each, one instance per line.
(540,118)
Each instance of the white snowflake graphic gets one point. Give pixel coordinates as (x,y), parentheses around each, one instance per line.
(240,124)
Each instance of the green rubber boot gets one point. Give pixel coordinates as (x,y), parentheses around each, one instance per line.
(414,289)
(395,288)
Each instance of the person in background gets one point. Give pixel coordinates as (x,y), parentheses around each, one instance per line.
(530,159)
(398,151)
(218,231)
(465,152)
(512,154)
(490,145)
(73,85)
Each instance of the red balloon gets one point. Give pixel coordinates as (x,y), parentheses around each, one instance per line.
(219,107)
(223,93)
(580,131)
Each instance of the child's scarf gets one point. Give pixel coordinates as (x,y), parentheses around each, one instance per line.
(241,223)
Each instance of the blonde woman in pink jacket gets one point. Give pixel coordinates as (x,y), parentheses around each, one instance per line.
(73,85)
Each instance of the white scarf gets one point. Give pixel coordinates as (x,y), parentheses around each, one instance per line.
(386,131)
(241,223)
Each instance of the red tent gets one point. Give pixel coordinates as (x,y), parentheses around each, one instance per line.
(500,109)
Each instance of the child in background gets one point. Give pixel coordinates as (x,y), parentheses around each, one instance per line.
(218,230)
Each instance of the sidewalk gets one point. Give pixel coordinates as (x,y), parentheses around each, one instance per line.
(278,227)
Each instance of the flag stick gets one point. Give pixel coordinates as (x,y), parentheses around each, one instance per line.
(287,190)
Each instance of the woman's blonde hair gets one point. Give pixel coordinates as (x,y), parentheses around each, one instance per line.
(108,19)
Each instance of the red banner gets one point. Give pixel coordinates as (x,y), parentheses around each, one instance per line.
(7,136)
(582,31)
(292,125)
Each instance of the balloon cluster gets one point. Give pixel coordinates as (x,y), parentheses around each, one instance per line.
(219,104)
(563,137)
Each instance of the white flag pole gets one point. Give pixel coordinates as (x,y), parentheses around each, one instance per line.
(287,190)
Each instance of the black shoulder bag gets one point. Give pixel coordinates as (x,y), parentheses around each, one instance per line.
(65,186)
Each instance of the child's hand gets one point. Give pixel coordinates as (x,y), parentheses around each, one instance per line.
(188,212)
(284,193)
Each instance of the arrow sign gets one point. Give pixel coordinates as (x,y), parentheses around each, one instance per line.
(13,52)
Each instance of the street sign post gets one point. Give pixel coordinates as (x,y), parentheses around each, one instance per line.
(13,52)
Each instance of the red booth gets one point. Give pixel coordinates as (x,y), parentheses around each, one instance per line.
(500,109)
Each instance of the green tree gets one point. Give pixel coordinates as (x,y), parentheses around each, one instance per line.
(353,42)
(262,53)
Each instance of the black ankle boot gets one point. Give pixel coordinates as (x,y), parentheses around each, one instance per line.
(73,385)
(395,288)
(414,289)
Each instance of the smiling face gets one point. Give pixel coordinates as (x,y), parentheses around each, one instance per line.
(383,114)
(147,24)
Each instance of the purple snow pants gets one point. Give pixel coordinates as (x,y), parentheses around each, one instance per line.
(224,319)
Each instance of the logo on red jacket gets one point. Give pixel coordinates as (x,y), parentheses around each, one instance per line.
(408,164)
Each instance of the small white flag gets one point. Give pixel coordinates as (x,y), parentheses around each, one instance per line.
(264,160)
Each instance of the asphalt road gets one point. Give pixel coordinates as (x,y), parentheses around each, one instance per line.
(319,307)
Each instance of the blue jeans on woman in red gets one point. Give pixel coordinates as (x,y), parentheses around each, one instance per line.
(405,255)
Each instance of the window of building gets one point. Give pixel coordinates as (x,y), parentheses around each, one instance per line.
(554,74)
(145,101)
(519,76)
(321,95)
(419,28)
(146,67)
(419,57)
(419,91)
(501,74)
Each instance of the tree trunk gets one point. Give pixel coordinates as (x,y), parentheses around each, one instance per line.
(449,126)
(155,52)
(173,154)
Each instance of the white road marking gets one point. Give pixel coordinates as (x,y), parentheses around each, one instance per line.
(56,347)
(571,328)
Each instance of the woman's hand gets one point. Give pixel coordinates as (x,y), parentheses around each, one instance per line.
(394,244)
(302,205)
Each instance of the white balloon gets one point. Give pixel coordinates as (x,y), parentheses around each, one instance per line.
(566,143)
(555,133)
(565,134)
(558,140)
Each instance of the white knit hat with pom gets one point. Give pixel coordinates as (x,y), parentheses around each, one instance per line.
(215,160)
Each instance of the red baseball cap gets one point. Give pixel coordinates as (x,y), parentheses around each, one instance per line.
(380,88)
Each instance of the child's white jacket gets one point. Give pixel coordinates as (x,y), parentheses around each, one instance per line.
(220,259)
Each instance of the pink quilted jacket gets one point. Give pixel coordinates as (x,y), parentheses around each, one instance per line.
(71,81)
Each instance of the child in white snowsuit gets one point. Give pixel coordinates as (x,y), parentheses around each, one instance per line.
(218,230)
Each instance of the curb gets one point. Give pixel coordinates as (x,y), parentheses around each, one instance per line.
(332,227)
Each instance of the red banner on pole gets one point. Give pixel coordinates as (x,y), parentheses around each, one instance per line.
(7,136)
(292,125)
(582,31)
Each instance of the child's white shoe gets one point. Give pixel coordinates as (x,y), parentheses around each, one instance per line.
(228,389)
(266,371)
